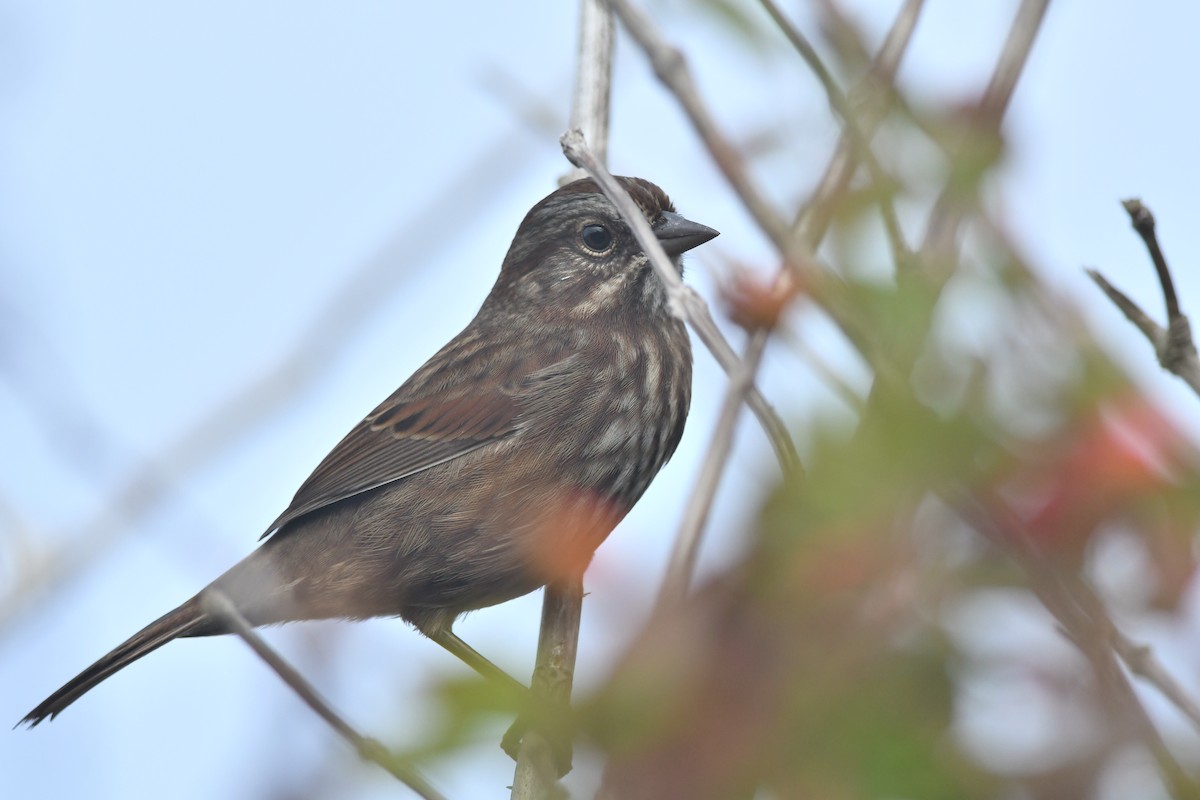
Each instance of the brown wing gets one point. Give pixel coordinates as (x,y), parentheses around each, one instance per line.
(400,438)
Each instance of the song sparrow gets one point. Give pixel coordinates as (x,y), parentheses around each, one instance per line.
(501,464)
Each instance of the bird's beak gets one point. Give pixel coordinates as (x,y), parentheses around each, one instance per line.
(678,234)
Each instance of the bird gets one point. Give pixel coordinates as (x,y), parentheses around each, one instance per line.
(499,466)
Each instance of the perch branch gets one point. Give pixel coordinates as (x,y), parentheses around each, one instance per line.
(562,602)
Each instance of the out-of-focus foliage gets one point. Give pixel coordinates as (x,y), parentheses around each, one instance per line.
(998,449)
(832,659)
(875,637)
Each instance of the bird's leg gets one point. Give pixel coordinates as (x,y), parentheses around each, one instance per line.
(511,742)
(476,660)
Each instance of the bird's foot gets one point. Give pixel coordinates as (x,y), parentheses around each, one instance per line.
(554,730)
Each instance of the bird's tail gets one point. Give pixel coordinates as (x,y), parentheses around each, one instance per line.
(187,620)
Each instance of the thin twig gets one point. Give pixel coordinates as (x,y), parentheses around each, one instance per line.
(1156,333)
(685,303)
(817,213)
(218,605)
(1143,223)
(687,540)
(1142,662)
(593,78)
(670,67)
(941,233)
(854,133)
(1085,622)
(1173,345)
(1176,352)
(820,365)
(695,513)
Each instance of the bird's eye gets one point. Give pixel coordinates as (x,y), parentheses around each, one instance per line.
(596,238)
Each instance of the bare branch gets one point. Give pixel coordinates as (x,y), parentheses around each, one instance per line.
(687,539)
(222,608)
(668,63)
(1149,328)
(852,132)
(685,303)
(941,233)
(822,286)
(1173,346)
(593,78)
(1085,622)
(1013,58)
(1143,223)
(814,220)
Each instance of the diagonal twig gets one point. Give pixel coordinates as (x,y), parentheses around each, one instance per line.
(810,226)
(1173,345)
(218,605)
(1086,623)
(668,63)
(817,214)
(685,303)
(853,132)
(687,540)
(941,233)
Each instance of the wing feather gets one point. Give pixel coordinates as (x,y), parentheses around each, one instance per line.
(401,438)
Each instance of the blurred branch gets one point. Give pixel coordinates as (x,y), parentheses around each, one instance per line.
(685,302)
(821,366)
(695,513)
(810,226)
(219,606)
(817,214)
(1088,626)
(1012,61)
(855,135)
(1072,602)
(1141,661)
(315,350)
(941,234)
(671,68)
(1174,346)
(593,79)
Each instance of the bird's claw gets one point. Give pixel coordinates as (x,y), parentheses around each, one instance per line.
(555,732)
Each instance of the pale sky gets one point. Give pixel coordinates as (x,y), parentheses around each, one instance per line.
(184,186)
